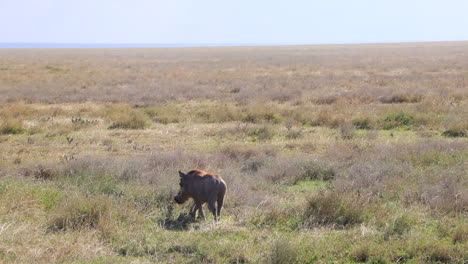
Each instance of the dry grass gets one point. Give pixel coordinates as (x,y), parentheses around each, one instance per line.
(331,154)
(324,74)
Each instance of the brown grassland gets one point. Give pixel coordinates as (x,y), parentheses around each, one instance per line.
(331,153)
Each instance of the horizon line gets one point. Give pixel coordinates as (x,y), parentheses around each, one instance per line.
(32,45)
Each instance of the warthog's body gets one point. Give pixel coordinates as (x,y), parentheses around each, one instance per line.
(202,187)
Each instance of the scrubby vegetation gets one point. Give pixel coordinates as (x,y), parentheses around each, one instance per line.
(335,159)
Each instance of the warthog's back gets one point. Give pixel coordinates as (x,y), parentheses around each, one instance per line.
(207,183)
(204,174)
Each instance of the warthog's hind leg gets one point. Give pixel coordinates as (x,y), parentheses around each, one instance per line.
(220,204)
(212,206)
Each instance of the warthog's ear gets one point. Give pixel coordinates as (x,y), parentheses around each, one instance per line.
(181,174)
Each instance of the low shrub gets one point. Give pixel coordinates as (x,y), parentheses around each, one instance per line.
(395,120)
(398,226)
(317,172)
(262,133)
(258,117)
(130,121)
(368,252)
(79,213)
(460,234)
(401,98)
(454,133)
(326,100)
(347,131)
(126,118)
(439,253)
(333,209)
(457,130)
(11,126)
(362,123)
(282,252)
(163,114)
(360,253)
(294,133)
(325,118)
(244,152)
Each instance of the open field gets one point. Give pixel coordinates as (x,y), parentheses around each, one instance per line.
(332,154)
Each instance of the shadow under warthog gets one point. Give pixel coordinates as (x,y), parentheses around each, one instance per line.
(182,222)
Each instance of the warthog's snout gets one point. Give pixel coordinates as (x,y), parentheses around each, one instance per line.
(177,199)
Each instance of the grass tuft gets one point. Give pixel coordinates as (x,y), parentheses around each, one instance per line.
(84,213)
(11,126)
(333,209)
(126,118)
(362,123)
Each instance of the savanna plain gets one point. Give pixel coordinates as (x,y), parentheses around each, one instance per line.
(331,153)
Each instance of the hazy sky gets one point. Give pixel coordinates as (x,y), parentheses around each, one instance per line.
(232,21)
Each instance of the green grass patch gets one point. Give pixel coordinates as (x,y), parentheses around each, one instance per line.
(307,186)
(50,198)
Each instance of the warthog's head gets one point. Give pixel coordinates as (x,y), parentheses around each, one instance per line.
(182,196)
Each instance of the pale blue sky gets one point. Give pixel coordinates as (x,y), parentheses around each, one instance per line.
(234,21)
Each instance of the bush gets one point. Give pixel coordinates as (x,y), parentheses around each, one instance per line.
(398,226)
(326,100)
(360,253)
(126,118)
(325,118)
(317,172)
(79,214)
(244,152)
(457,130)
(401,98)
(439,252)
(94,176)
(257,117)
(347,131)
(460,234)
(322,119)
(163,114)
(334,209)
(454,133)
(368,252)
(362,123)
(11,126)
(262,133)
(282,252)
(394,120)
(294,134)
(130,121)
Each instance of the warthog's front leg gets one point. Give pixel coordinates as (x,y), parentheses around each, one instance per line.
(193,210)
(199,207)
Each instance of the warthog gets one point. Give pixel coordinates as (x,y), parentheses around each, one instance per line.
(203,187)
